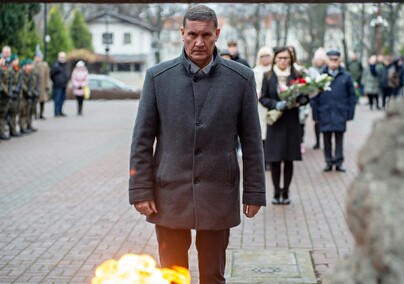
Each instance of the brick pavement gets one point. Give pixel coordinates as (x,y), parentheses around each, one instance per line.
(64,203)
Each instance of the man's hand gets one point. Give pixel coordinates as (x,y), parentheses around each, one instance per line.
(146,207)
(250,210)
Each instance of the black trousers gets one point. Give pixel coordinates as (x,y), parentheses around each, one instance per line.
(338,157)
(174,245)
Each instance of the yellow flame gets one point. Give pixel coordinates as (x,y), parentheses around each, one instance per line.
(138,269)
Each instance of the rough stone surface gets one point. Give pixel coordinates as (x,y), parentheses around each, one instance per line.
(375,207)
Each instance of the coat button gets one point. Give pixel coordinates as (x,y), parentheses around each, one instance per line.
(198,123)
(195,78)
(198,152)
(196,180)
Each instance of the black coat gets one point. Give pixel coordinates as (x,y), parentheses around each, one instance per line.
(332,109)
(283,137)
(58,74)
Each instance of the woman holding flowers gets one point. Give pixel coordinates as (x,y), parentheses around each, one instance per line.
(282,144)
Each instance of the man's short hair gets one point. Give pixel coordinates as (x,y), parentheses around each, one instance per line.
(232,43)
(200,13)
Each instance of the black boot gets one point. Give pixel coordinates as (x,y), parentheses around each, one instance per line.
(277,196)
(285,196)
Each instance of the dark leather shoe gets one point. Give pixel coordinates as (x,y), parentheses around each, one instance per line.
(15,134)
(4,137)
(340,169)
(32,129)
(328,168)
(316,146)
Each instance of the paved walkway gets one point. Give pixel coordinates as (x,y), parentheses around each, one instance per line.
(64,203)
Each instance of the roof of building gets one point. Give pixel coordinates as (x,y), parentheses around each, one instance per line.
(121,17)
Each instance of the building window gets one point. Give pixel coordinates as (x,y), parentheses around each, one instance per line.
(127,39)
(107,38)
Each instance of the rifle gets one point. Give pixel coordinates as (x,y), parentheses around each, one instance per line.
(30,86)
(18,87)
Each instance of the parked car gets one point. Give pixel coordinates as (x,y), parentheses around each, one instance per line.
(108,88)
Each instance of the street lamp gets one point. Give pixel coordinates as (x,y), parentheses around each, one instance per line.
(107,40)
(378,23)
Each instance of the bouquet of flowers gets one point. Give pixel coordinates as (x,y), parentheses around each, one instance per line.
(308,86)
(298,92)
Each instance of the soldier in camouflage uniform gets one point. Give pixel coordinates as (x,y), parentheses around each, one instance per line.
(29,86)
(5,91)
(16,78)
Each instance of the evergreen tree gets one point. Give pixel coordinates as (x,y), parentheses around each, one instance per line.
(60,39)
(79,33)
(17,29)
(29,42)
(11,16)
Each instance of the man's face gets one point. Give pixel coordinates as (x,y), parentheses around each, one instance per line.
(38,58)
(199,39)
(62,57)
(233,49)
(6,53)
(333,62)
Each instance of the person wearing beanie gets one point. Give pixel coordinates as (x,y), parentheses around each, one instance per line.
(5,91)
(42,69)
(79,81)
(16,85)
(29,91)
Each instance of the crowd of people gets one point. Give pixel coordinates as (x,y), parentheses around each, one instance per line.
(27,85)
(284,140)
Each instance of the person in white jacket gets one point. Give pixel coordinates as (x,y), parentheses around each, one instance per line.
(263,65)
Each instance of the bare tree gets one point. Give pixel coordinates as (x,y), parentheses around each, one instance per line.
(310,23)
(392,12)
(155,15)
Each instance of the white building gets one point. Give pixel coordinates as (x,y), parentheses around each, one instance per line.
(127,42)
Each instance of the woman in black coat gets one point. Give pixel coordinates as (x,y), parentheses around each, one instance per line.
(282,142)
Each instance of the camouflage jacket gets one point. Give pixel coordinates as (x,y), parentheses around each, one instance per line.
(5,82)
(30,86)
(16,83)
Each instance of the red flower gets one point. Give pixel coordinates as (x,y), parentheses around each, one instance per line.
(301,80)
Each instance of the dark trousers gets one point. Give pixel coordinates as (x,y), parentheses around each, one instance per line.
(59,95)
(373,99)
(338,158)
(317,133)
(386,93)
(79,100)
(211,245)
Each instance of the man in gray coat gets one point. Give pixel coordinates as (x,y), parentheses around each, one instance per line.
(195,107)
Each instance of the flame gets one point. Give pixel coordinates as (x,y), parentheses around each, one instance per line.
(138,269)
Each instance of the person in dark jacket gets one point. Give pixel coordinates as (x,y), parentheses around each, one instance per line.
(332,109)
(59,77)
(282,144)
(235,55)
(194,107)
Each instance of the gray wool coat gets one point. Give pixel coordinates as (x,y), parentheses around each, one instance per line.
(192,173)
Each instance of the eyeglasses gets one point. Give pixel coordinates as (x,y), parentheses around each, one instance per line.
(283,58)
